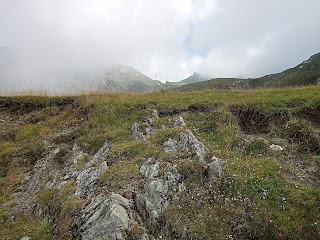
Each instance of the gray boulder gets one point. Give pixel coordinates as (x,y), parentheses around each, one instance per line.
(189,142)
(154,201)
(105,219)
(158,192)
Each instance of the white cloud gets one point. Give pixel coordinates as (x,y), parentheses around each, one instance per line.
(167,39)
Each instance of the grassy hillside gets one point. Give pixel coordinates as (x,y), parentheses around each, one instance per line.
(216,83)
(306,73)
(262,194)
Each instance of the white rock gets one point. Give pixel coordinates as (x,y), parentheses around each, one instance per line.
(275,147)
(25,238)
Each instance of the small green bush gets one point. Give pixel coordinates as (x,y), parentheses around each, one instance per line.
(257,146)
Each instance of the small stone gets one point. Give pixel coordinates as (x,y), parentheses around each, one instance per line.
(137,134)
(275,147)
(155,113)
(170,146)
(215,169)
(25,238)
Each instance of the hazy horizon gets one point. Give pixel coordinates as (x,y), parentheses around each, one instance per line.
(47,43)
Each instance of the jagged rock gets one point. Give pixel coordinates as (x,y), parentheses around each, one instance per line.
(179,122)
(275,147)
(150,169)
(154,201)
(47,173)
(215,169)
(189,142)
(137,134)
(170,146)
(88,178)
(105,219)
(157,196)
(100,155)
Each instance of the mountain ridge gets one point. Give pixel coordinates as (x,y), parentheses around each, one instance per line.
(305,73)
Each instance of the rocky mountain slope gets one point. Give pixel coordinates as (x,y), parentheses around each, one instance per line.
(123,78)
(199,165)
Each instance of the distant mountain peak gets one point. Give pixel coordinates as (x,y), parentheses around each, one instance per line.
(195,77)
(124,78)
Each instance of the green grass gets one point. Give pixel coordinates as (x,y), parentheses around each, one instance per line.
(258,196)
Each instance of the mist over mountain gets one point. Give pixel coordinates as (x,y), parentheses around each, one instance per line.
(305,73)
(123,78)
(195,77)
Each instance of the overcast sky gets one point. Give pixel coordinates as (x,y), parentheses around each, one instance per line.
(165,39)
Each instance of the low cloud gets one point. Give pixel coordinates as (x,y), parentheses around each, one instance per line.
(48,41)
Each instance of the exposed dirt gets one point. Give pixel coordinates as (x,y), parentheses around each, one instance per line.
(313,115)
(25,106)
(254,121)
(192,108)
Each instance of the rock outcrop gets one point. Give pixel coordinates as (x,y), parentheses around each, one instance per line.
(188,144)
(104,214)
(105,218)
(158,192)
(88,178)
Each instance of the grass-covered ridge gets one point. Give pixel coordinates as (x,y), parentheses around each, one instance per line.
(304,74)
(260,195)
